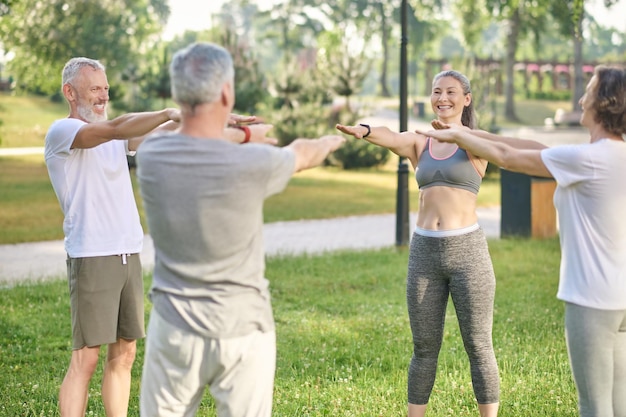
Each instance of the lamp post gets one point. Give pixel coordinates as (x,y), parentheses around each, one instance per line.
(402,193)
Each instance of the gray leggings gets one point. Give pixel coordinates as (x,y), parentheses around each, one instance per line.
(596,343)
(457,266)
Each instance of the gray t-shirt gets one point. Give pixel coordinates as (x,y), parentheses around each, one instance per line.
(204,203)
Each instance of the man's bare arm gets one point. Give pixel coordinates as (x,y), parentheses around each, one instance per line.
(312,152)
(126,126)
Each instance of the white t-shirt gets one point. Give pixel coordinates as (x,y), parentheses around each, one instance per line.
(591,201)
(95,193)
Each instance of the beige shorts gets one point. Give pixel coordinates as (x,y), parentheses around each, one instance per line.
(106,297)
(179,365)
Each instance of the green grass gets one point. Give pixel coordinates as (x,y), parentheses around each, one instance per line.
(30,212)
(343,340)
(25,119)
(529,112)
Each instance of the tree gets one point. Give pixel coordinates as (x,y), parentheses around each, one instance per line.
(44,35)
(344,64)
(292,24)
(523,17)
(571,16)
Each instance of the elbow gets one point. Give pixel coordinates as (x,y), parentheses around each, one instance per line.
(513,160)
(504,159)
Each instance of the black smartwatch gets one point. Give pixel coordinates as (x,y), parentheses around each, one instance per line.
(368,130)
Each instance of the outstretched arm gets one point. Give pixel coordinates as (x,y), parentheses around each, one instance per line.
(527,161)
(516,143)
(133,144)
(127,126)
(402,144)
(257,134)
(312,152)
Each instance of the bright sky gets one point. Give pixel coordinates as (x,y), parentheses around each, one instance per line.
(195,15)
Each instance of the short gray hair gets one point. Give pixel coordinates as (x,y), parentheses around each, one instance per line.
(74,65)
(198,73)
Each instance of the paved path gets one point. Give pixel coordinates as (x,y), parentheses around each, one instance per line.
(46,260)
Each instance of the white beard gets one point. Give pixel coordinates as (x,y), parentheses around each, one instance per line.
(86,113)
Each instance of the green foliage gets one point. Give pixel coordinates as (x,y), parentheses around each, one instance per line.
(5,6)
(44,35)
(472,14)
(307,120)
(354,153)
(158,76)
(344,65)
(360,154)
(250,83)
(301,106)
(551,95)
(290,26)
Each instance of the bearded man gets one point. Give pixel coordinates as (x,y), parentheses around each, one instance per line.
(86,159)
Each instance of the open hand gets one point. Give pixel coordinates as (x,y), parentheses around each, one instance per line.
(235,119)
(357,131)
(438,125)
(443,135)
(334,141)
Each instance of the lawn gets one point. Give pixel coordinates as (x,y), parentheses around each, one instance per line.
(25,119)
(343,340)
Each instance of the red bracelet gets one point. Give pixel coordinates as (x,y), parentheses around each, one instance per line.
(246,131)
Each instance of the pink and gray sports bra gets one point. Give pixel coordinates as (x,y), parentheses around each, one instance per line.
(455,170)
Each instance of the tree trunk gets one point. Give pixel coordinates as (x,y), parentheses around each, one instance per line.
(579,88)
(511,49)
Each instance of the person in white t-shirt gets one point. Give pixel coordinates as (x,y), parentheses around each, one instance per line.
(103,235)
(590,198)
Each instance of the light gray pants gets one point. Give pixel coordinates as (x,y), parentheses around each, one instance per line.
(596,344)
(179,364)
(457,266)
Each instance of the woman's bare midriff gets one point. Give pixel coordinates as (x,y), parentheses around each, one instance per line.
(446,208)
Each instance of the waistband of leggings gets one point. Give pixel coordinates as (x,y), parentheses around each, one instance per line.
(446,233)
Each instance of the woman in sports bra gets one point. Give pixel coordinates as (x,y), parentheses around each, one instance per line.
(448,254)
(589,199)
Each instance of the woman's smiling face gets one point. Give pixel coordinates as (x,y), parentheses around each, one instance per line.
(448,100)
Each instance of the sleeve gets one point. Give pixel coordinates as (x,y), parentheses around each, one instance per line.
(282,169)
(568,164)
(60,137)
(128,151)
